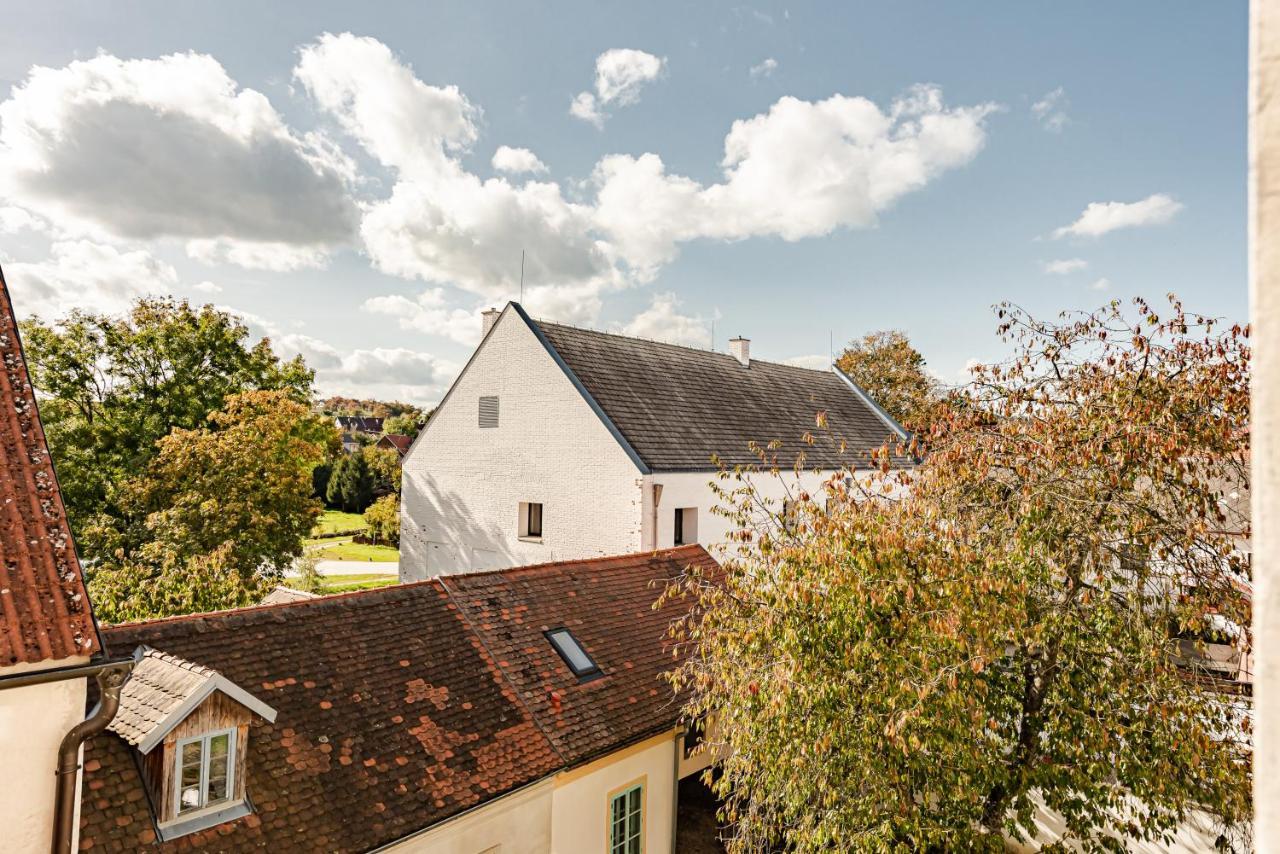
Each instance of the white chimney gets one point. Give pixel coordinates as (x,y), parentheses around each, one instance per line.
(490,317)
(740,349)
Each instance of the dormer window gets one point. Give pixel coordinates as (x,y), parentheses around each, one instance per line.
(190,728)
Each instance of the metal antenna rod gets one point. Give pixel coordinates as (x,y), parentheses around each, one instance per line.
(522,277)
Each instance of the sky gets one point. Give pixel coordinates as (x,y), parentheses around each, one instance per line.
(359,181)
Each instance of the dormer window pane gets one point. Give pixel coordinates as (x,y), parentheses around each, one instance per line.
(205,768)
(191,768)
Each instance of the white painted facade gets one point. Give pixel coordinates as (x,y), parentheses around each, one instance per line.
(463,484)
(33,721)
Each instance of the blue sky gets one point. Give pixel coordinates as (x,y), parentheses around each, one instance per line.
(364,163)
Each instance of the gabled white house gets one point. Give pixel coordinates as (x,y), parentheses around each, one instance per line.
(558,443)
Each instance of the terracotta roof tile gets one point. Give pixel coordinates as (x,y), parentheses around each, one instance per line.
(393,712)
(44,611)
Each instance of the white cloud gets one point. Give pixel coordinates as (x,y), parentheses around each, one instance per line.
(14,219)
(1099,218)
(276,257)
(516,161)
(86,275)
(207,288)
(620,75)
(765,68)
(219,161)
(662,321)
(801,170)
(1064,266)
(429,314)
(1051,110)
(815,362)
(1101,284)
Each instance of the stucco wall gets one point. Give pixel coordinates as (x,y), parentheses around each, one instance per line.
(33,721)
(580,802)
(693,489)
(520,823)
(462,484)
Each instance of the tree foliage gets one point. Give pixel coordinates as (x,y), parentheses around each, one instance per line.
(893,373)
(217,515)
(406,425)
(384,469)
(112,387)
(383,519)
(915,659)
(351,483)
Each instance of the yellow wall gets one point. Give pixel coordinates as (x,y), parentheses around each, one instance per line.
(580,802)
(519,823)
(33,721)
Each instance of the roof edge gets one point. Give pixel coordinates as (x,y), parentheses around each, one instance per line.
(622,440)
(866,398)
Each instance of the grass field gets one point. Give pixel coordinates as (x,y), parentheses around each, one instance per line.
(335,521)
(347,583)
(347,550)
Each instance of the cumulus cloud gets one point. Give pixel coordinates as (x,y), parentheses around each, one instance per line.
(207,287)
(620,75)
(219,164)
(1064,266)
(765,68)
(1101,284)
(801,170)
(14,219)
(90,276)
(430,314)
(815,362)
(1051,110)
(517,161)
(662,321)
(1100,218)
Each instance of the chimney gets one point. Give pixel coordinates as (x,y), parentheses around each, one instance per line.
(490,317)
(740,349)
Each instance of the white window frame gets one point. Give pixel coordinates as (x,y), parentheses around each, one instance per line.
(204,739)
(617,846)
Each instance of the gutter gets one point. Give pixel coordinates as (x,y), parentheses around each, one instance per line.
(110,676)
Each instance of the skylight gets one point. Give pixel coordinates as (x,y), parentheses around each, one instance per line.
(572,652)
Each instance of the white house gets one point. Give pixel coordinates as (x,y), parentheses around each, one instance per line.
(558,443)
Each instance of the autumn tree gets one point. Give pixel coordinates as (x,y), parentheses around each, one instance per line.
(920,659)
(383,520)
(384,469)
(112,386)
(407,424)
(219,513)
(893,373)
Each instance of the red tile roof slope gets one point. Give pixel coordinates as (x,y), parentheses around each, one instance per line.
(397,441)
(392,713)
(44,610)
(608,605)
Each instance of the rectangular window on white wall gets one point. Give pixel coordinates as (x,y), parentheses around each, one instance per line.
(626,820)
(530,520)
(686,526)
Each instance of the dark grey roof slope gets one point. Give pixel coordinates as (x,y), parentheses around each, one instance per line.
(677,406)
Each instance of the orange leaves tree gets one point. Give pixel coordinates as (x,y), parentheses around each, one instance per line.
(893,373)
(922,658)
(218,514)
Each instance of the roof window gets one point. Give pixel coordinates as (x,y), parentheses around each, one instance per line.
(582,665)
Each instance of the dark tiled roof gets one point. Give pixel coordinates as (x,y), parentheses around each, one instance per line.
(360,423)
(678,406)
(44,611)
(608,606)
(392,713)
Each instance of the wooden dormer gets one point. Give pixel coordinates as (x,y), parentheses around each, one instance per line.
(190,728)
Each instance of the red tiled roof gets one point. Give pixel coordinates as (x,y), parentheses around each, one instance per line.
(44,610)
(399,707)
(398,441)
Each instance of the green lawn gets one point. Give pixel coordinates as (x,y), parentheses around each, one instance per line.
(347,583)
(347,550)
(335,522)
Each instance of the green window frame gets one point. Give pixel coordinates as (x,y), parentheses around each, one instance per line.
(626,821)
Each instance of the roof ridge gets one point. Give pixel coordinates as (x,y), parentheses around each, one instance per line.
(692,349)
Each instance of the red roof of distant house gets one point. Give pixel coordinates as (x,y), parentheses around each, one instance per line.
(44,610)
(400,707)
(398,441)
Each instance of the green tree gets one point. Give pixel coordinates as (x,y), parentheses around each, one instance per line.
(893,373)
(351,484)
(383,519)
(405,425)
(112,387)
(914,659)
(384,468)
(320,480)
(220,512)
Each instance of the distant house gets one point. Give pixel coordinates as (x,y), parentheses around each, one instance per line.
(397,442)
(560,443)
(366,424)
(521,711)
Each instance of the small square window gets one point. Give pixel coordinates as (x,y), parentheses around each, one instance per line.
(530,520)
(582,664)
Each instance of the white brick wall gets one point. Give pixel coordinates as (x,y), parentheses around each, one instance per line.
(463,484)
